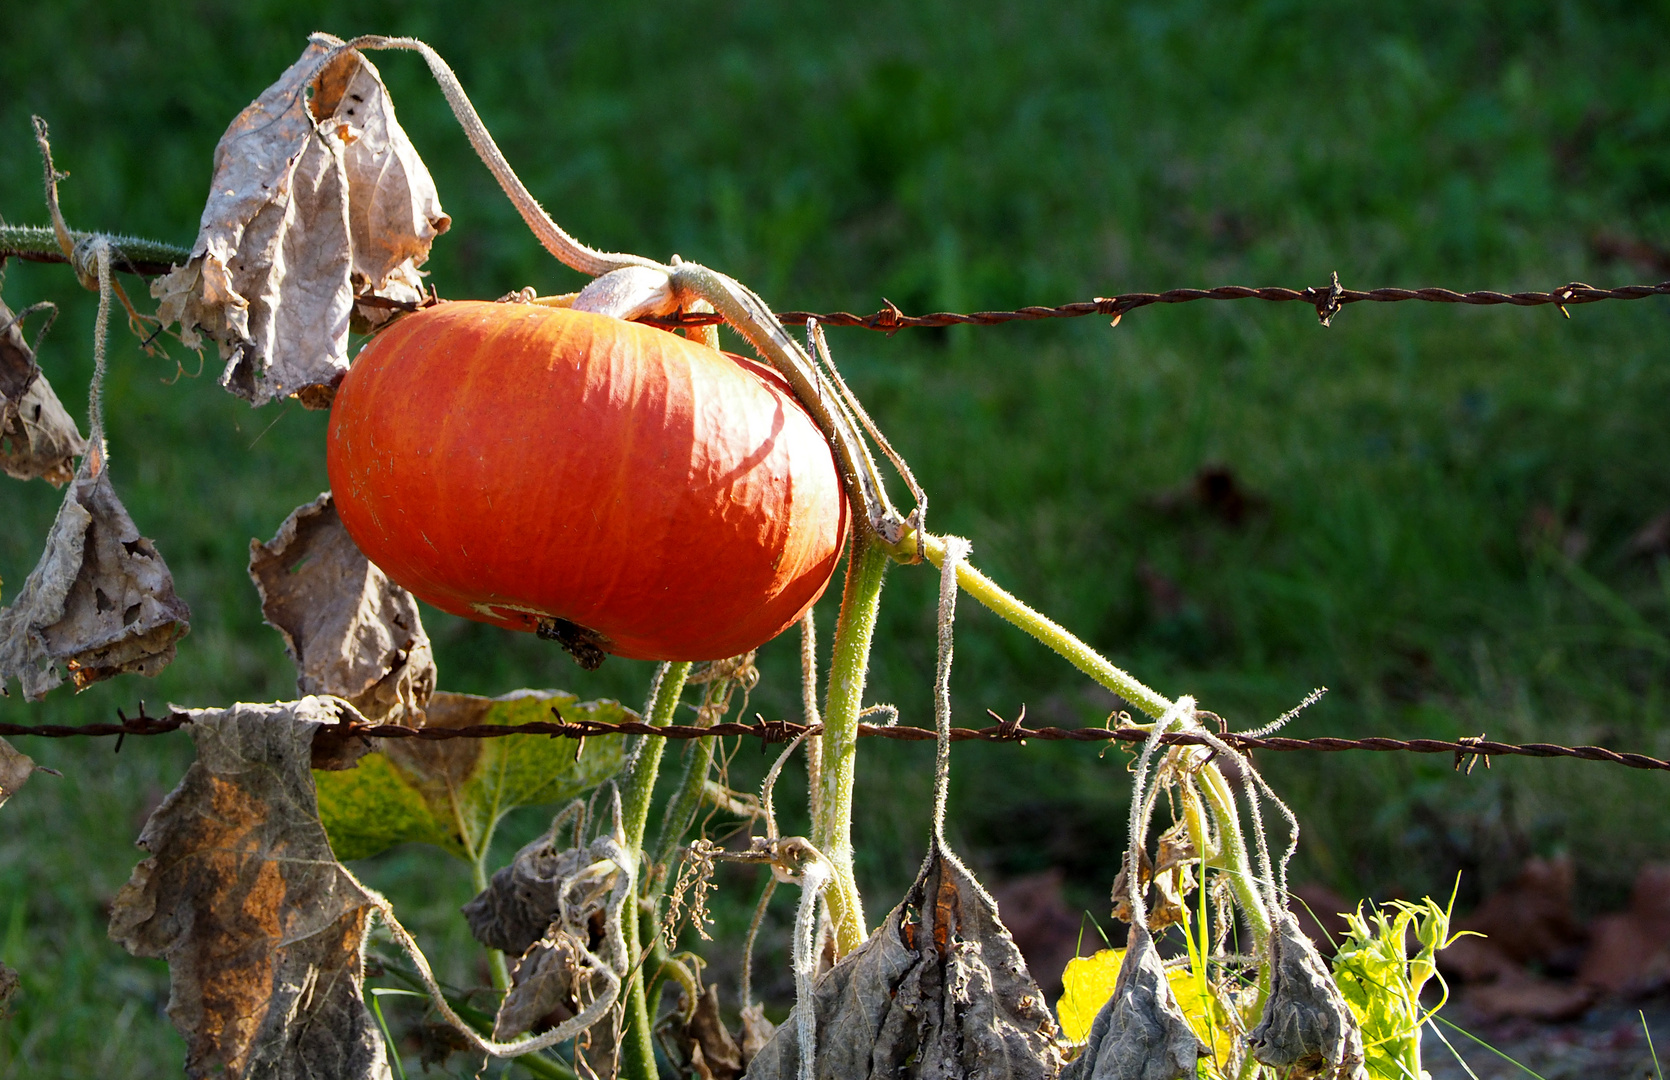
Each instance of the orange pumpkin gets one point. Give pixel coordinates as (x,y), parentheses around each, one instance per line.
(608,484)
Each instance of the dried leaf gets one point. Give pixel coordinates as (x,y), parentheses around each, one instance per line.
(99,603)
(1141,1033)
(756,1031)
(1307,1029)
(312,204)
(938,991)
(38,439)
(15,769)
(453,793)
(707,1043)
(513,913)
(261,927)
(351,631)
(543,992)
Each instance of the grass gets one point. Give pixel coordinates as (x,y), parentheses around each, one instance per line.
(1443,498)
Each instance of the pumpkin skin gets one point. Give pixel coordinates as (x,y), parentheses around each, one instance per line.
(512,462)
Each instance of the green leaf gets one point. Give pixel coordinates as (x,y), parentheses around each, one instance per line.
(452,793)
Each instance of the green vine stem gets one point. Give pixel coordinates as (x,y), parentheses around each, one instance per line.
(637,1040)
(39,243)
(848,667)
(1232,853)
(1040,626)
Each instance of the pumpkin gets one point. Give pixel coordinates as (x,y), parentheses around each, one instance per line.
(610,485)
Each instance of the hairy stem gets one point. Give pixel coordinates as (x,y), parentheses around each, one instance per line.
(849,664)
(637,1040)
(1045,629)
(1232,854)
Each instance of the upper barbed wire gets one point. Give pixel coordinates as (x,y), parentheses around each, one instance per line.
(1467,748)
(1328,300)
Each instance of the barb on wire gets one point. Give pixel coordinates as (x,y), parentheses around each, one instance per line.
(770,731)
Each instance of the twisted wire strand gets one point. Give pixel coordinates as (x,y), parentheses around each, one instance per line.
(777,731)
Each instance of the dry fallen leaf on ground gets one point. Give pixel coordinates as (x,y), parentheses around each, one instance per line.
(938,991)
(1307,1029)
(313,203)
(351,631)
(261,927)
(99,603)
(38,438)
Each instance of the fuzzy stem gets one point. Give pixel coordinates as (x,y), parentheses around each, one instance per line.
(849,664)
(1232,853)
(1045,629)
(637,1040)
(40,243)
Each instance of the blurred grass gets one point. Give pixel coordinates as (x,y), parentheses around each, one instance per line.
(1442,499)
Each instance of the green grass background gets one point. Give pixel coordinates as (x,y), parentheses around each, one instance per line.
(963,156)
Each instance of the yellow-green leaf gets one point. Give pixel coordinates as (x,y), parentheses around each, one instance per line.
(1086,986)
(452,793)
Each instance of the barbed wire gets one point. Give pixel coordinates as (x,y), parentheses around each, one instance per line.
(149,258)
(777,731)
(1328,302)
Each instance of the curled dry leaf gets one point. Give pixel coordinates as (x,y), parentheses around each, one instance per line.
(756,1030)
(525,897)
(938,991)
(99,603)
(15,769)
(551,907)
(318,198)
(1307,1030)
(547,986)
(37,437)
(1141,1033)
(453,793)
(708,1044)
(261,927)
(351,631)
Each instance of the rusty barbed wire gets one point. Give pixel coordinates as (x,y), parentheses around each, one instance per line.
(1328,301)
(778,731)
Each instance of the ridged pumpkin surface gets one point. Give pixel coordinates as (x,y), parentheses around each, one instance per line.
(507,462)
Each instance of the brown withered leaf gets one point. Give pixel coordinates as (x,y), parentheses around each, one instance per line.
(313,203)
(756,1031)
(261,927)
(524,897)
(351,632)
(1308,1030)
(15,769)
(99,603)
(38,438)
(707,1043)
(1141,1033)
(543,987)
(938,991)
